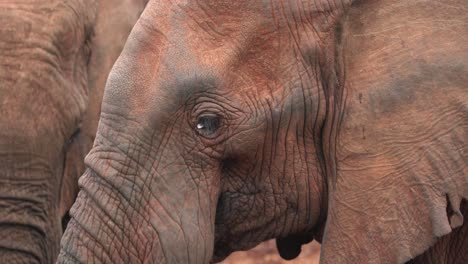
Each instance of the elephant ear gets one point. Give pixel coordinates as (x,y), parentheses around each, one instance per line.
(395,137)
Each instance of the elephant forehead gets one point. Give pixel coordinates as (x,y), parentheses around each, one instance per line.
(243,47)
(41,80)
(43,16)
(256,46)
(44,31)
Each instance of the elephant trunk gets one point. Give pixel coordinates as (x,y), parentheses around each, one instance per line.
(29,222)
(30,182)
(20,243)
(127,220)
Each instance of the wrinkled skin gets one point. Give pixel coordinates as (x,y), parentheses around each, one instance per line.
(226,123)
(54,60)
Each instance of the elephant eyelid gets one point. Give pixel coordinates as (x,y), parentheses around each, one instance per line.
(72,138)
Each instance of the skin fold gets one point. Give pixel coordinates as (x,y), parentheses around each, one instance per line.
(227,123)
(54,59)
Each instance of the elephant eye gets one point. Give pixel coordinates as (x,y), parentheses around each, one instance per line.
(207,125)
(72,138)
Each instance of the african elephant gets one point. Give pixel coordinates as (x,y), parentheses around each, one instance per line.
(55,56)
(226,123)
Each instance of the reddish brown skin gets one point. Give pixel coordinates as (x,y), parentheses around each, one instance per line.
(341,121)
(54,59)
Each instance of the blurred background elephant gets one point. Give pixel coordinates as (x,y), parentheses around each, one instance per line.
(227,123)
(55,56)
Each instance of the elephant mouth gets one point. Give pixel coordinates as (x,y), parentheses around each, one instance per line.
(221,249)
(222,245)
(225,241)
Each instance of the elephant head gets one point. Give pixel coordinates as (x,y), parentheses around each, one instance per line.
(54,58)
(226,123)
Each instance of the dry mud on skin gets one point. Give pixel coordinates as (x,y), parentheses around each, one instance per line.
(267,253)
